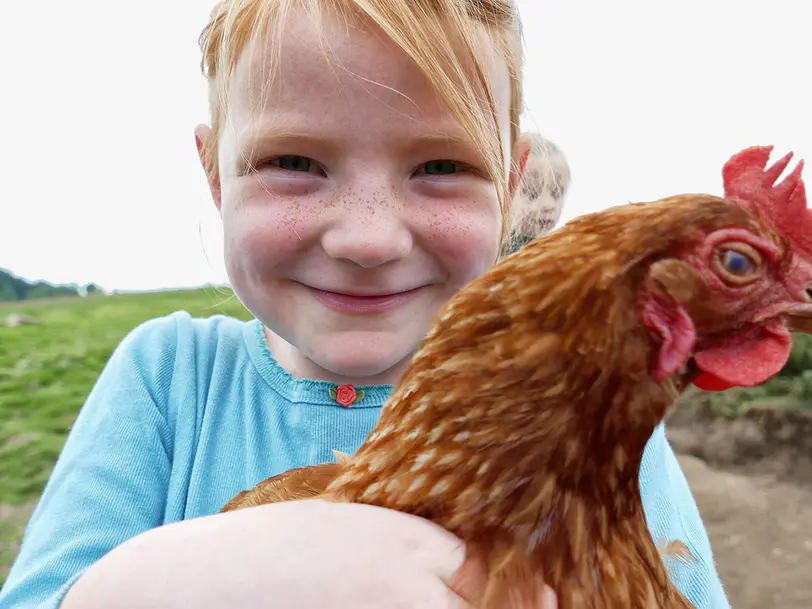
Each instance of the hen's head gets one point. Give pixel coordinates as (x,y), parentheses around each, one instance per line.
(724,304)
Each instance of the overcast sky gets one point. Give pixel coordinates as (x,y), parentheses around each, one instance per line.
(99,178)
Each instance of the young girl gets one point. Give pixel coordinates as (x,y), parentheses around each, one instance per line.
(362,155)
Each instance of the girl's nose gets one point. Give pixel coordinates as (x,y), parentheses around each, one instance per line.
(369,235)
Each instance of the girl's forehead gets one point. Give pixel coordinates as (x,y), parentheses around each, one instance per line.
(342,59)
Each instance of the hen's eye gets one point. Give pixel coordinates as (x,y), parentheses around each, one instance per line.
(738,262)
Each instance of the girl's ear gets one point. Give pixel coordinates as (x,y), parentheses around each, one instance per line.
(519,155)
(202,140)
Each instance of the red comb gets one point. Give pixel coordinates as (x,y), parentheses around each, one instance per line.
(751,185)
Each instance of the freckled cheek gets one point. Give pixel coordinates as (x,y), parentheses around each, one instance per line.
(265,232)
(464,236)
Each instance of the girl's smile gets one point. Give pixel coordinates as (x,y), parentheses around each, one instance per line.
(363,304)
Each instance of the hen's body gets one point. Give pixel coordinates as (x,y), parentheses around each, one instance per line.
(521,422)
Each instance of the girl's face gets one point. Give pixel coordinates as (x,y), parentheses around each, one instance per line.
(369,206)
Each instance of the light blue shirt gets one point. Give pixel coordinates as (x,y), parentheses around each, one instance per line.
(188,412)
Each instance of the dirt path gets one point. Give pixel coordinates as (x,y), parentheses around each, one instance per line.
(761,533)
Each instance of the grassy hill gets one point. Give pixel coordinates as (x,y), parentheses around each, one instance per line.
(47,369)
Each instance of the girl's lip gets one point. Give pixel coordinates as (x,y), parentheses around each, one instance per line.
(352,303)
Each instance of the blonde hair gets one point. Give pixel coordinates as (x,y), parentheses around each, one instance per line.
(440,36)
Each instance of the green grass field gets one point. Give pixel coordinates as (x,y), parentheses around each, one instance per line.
(46,372)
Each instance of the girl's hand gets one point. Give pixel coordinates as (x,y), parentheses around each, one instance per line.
(283,556)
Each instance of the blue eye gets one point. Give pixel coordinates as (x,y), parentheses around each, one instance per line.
(737,263)
(741,262)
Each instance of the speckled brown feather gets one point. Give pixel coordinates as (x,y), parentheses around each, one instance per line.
(299,483)
(521,421)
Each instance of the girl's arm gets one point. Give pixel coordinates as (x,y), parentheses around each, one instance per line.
(672,514)
(292,555)
(110,481)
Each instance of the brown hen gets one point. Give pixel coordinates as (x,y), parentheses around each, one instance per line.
(521,422)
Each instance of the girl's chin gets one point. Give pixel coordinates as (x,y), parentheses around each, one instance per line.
(363,359)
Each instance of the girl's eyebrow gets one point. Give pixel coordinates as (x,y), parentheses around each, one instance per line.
(261,134)
(433,141)
(258,136)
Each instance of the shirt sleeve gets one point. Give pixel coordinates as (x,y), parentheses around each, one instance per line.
(672,514)
(110,481)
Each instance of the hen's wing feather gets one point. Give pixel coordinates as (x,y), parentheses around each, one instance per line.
(297,483)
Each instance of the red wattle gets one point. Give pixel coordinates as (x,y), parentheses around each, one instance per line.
(709,382)
(744,359)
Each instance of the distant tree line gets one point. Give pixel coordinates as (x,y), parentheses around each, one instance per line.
(13,288)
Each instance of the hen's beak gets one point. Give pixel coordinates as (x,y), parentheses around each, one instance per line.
(799,324)
(800,319)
